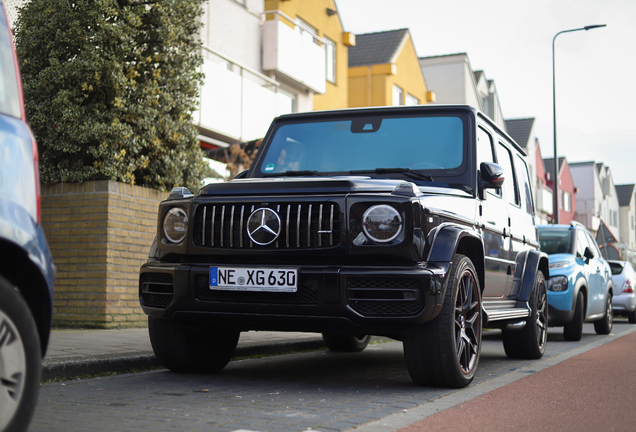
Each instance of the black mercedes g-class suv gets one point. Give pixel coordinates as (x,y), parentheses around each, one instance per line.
(380,221)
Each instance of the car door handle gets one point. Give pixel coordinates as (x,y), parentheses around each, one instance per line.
(598,269)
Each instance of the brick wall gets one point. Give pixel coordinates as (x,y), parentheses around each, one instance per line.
(99,234)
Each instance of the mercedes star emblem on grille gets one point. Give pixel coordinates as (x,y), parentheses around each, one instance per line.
(263,226)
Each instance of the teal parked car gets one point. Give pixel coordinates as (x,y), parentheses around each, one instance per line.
(580,284)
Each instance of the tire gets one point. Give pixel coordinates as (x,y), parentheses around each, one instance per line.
(187,349)
(604,325)
(530,341)
(345,343)
(20,360)
(631,317)
(573,331)
(445,352)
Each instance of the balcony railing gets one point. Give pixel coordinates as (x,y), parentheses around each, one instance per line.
(237,101)
(292,49)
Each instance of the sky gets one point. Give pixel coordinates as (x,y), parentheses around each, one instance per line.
(511,41)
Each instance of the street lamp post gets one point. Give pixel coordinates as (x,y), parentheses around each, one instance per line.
(555,191)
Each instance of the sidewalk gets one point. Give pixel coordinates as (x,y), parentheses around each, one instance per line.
(75,353)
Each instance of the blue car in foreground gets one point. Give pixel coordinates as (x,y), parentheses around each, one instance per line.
(580,285)
(26,267)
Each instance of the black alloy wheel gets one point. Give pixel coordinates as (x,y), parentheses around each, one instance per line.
(445,351)
(530,341)
(468,322)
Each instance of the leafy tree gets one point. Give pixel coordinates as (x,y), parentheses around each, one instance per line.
(110,87)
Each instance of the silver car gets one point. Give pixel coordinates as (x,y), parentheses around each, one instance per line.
(624,278)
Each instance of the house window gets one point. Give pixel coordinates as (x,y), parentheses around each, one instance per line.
(567,202)
(330,62)
(411,100)
(398,94)
(484,104)
(285,102)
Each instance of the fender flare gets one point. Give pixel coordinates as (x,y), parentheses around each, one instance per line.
(448,239)
(531,261)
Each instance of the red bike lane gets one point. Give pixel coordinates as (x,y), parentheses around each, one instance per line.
(593,391)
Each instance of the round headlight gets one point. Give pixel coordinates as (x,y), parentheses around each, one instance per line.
(175,225)
(382,223)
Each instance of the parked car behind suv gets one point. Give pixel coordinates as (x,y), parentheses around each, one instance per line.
(26,268)
(415,223)
(580,284)
(624,280)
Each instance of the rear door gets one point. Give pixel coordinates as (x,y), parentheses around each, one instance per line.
(602,275)
(494,224)
(593,269)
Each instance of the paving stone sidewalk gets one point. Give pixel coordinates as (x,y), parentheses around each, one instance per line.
(77,352)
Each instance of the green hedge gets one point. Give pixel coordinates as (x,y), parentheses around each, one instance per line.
(110,87)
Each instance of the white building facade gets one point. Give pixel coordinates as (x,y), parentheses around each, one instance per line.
(249,71)
(596,199)
(453,80)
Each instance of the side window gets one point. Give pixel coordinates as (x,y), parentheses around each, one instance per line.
(484,147)
(594,246)
(524,183)
(504,158)
(485,154)
(581,243)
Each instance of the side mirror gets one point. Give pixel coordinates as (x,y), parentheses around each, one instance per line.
(588,254)
(491,176)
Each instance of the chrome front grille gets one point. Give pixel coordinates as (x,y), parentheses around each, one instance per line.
(302,226)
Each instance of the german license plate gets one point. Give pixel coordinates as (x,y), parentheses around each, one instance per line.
(254,279)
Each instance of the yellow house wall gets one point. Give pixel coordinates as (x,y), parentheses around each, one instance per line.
(409,74)
(373,85)
(314,13)
(368,84)
(360,92)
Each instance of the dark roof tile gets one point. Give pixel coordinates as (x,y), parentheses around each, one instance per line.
(519,130)
(625,194)
(376,48)
(549,164)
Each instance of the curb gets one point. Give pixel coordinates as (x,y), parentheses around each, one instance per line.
(73,367)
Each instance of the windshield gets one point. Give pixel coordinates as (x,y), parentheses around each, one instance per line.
(364,144)
(555,241)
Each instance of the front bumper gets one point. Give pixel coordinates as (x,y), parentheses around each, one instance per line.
(560,307)
(374,300)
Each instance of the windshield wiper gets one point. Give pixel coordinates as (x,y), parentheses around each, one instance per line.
(293,174)
(406,171)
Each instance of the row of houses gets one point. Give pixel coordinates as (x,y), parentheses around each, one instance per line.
(269,57)
(264,58)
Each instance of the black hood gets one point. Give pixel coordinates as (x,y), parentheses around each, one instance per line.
(319,185)
(292,185)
